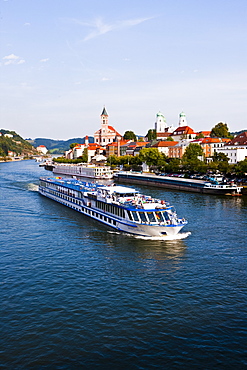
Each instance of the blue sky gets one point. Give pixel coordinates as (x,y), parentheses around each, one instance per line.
(62,61)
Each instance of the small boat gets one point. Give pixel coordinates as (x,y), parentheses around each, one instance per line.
(122,208)
(39,159)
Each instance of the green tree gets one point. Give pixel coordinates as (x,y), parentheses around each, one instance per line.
(241,168)
(220,130)
(125,159)
(220,157)
(213,166)
(174,165)
(194,166)
(151,135)
(169,138)
(113,160)
(225,167)
(151,156)
(84,156)
(191,161)
(72,145)
(200,136)
(129,135)
(192,152)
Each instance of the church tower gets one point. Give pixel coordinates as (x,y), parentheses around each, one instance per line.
(106,134)
(104,127)
(104,119)
(182,120)
(160,124)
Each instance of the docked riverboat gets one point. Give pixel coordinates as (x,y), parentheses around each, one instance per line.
(82,170)
(177,183)
(122,208)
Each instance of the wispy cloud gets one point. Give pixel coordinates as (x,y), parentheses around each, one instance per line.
(44,60)
(103,79)
(99,27)
(13,59)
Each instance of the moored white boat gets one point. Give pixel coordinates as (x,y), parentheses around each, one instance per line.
(119,207)
(81,170)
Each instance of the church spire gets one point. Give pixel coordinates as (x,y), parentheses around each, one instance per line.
(104,112)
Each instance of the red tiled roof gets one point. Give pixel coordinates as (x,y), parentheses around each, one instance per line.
(114,130)
(111,129)
(141,143)
(163,134)
(185,130)
(115,143)
(205,133)
(211,140)
(165,144)
(240,139)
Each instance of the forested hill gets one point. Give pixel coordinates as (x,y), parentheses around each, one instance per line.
(58,145)
(15,144)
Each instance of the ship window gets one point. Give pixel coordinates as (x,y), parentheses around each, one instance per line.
(142,216)
(159,216)
(129,215)
(151,217)
(166,216)
(135,216)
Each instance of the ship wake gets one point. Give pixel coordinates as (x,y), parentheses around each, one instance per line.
(32,187)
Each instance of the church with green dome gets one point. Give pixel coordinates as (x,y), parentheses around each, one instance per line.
(163,130)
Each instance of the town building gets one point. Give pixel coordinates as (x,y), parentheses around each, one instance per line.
(78,150)
(235,149)
(177,151)
(106,134)
(134,147)
(11,154)
(204,133)
(114,148)
(164,146)
(183,133)
(42,149)
(209,144)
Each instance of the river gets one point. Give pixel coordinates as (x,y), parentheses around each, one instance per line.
(75,294)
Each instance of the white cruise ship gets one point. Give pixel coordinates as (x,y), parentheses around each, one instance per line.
(81,170)
(122,208)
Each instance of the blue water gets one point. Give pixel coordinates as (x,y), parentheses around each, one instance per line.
(75,295)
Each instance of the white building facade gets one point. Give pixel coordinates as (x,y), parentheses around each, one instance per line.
(235,154)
